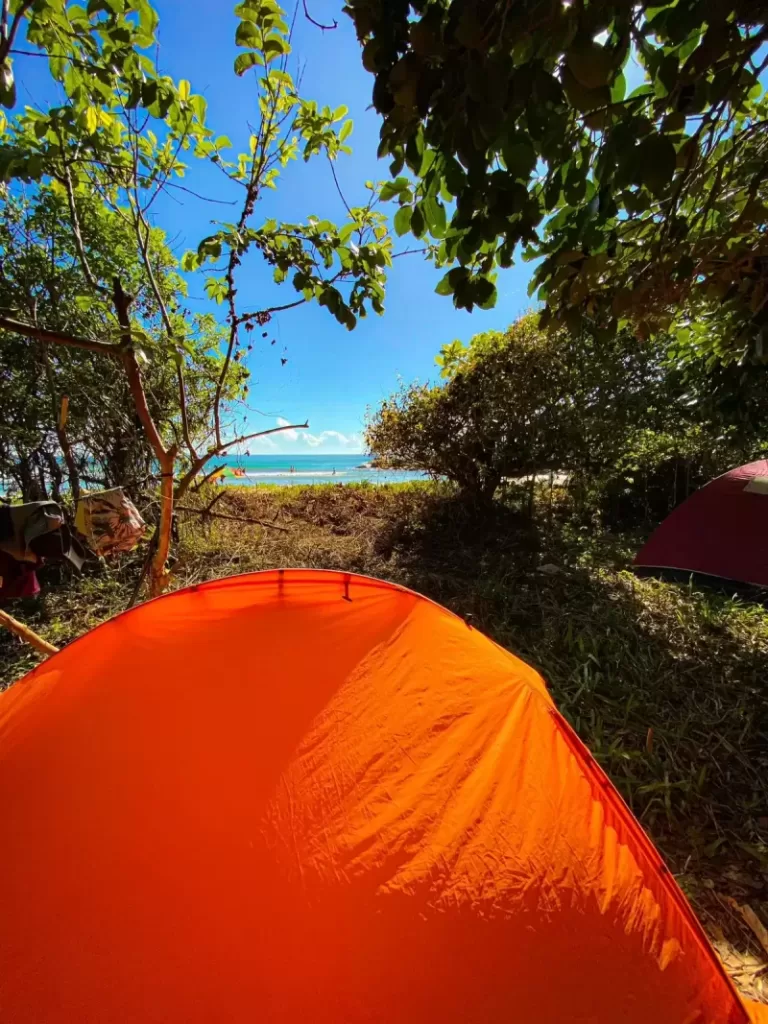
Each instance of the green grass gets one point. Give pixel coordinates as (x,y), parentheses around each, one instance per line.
(666,683)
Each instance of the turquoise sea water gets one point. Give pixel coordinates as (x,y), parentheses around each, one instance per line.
(295,470)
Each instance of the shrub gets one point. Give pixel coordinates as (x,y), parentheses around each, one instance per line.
(637,431)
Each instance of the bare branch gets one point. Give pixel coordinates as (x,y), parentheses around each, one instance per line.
(58,338)
(7,42)
(184,417)
(207,477)
(338,187)
(203,461)
(205,513)
(271,309)
(58,409)
(197,195)
(409,252)
(77,234)
(317,24)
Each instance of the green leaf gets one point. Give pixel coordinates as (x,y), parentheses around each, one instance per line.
(590,63)
(619,88)
(418,225)
(654,163)
(90,119)
(402,220)
(390,189)
(673,122)
(519,156)
(485,293)
(667,74)
(247,35)
(275,46)
(447,285)
(216,289)
(7,86)
(244,61)
(209,248)
(346,130)
(434,216)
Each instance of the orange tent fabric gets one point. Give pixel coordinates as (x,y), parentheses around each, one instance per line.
(303,796)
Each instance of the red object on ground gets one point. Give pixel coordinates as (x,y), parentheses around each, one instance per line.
(720,531)
(17,579)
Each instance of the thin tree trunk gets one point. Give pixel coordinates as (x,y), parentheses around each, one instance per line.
(166,457)
(60,411)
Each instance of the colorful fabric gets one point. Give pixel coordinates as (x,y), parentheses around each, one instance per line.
(21,524)
(308,797)
(37,531)
(109,521)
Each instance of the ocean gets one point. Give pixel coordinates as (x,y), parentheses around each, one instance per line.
(297,470)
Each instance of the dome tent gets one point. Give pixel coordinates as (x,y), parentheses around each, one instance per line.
(298,796)
(719,532)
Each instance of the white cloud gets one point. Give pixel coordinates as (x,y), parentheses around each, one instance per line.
(256,446)
(349,442)
(292,435)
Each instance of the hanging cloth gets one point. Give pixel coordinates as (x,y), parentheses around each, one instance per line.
(38,530)
(17,579)
(109,521)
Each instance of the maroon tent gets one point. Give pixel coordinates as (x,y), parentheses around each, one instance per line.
(720,531)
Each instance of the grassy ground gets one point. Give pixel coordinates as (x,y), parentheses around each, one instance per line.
(667,684)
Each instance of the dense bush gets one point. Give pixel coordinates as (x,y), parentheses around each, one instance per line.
(631,426)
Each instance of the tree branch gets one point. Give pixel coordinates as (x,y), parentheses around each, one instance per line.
(270,310)
(317,24)
(203,461)
(198,195)
(76,232)
(58,338)
(58,409)
(207,477)
(140,221)
(7,43)
(184,417)
(338,186)
(235,519)
(122,303)
(165,457)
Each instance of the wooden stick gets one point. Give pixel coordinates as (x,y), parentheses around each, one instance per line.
(26,634)
(758,928)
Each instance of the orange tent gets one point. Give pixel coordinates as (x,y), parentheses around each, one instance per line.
(312,797)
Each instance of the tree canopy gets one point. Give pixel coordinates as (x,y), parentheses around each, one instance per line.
(520,128)
(122,134)
(616,413)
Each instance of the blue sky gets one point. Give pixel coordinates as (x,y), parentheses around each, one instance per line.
(332,375)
